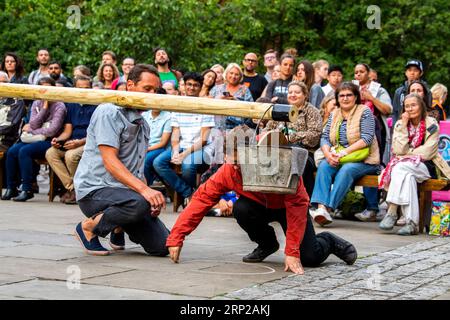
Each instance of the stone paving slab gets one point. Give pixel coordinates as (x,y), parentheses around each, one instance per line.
(59,270)
(42,252)
(10,278)
(58,290)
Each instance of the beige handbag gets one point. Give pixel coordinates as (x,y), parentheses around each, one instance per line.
(27,137)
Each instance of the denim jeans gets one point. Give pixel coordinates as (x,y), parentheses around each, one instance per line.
(186,183)
(20,162)
(149,170)
(127,209)
(371,195)
(254,218)
(341,178)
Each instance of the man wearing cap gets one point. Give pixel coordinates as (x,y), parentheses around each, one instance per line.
(254,211)
(413,71)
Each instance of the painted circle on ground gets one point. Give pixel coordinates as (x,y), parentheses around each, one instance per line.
(217,269)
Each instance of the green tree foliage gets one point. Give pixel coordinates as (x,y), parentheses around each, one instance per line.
(199,33)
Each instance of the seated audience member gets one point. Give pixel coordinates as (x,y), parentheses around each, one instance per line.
(415,158)
(127,65)
(219,70)
(209,81)
(190,134)
(81,70)
(350,148)
(160,132)
(232,89)
(306,131)
(56,72)
(11,113)
(121,86)
(46,122)
(413,71)
(97,85)
(12,64)
(276,90)
(106,74)
(320,71)
(373,75)
(421,88)
(254,211)
(170,88)
(335,77)
(305,73)
(377,99)
(327,107)
(67,148)
(439,92)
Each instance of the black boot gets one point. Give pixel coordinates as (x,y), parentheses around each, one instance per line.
(259,254)
(10,193)
(24,196)
(342,248)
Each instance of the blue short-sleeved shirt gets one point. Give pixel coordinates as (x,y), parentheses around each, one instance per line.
(117,127)
(158,125)
(79,116)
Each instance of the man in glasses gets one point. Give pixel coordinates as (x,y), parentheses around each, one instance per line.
(255,82)
(190,134)
(270,62)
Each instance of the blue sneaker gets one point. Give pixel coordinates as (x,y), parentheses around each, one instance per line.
(93,247)
(117,241)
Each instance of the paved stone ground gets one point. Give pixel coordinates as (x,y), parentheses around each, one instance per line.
(40,259)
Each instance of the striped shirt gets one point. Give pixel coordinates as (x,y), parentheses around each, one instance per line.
(191,126)
(367,129)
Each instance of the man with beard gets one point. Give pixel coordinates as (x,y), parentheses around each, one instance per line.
(164,64)
(55,71)
(255,82)
(43,58)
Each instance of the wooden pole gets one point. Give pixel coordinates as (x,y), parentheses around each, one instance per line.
(145,101)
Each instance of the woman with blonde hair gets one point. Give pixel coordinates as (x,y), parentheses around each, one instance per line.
(232,89)
(305,131)
(327,107)
(439,92)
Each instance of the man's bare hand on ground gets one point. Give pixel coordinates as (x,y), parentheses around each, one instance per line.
(293,264)
(175,253)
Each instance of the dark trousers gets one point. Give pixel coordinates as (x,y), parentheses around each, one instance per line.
(308,175)
(127,209)
(20,162)
(254,218)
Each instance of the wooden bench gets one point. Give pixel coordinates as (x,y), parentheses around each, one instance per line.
(424,190)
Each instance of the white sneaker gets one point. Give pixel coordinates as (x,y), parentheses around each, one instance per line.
(380,215)
(322,217)
(367,216)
